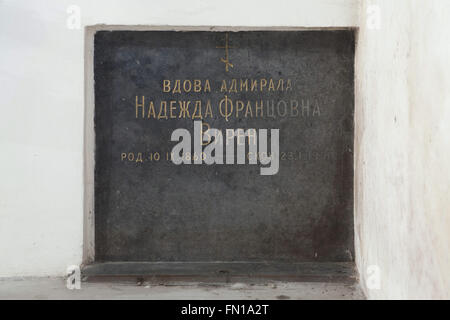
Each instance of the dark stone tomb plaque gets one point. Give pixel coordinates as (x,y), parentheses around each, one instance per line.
(147,209)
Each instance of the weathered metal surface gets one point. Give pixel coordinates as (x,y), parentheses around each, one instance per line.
(158,211)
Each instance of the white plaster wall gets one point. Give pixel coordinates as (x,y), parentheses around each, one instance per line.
(42,108)
(403,149)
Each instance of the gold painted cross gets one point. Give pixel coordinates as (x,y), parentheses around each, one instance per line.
(226,60)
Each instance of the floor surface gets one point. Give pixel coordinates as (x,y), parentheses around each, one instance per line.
(55,288)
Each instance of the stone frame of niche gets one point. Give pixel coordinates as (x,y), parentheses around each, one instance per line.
(329,272)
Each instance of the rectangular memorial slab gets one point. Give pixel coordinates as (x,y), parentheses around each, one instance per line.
(169,190)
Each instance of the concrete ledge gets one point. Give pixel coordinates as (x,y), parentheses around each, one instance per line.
(343,272)
(55,288)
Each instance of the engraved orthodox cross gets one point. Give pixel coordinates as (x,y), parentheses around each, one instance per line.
(226,60)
